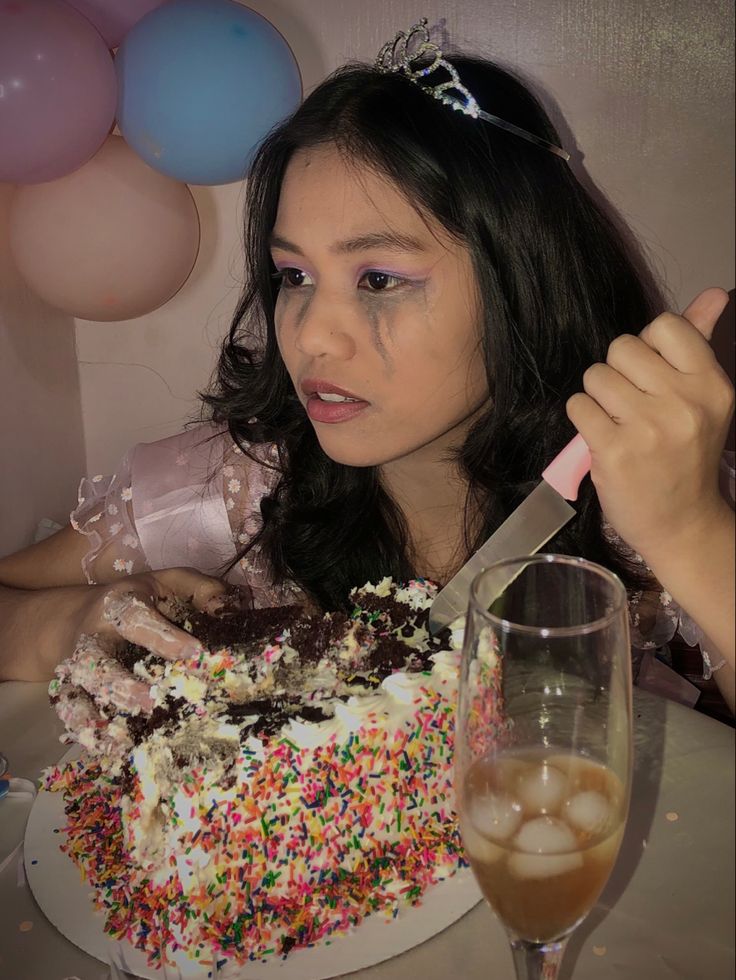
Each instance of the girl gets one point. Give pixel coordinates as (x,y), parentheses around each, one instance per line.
(427,292)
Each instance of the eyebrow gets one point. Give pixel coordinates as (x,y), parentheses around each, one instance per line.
(391,240)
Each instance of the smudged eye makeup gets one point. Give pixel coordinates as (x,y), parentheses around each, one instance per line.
(371,280)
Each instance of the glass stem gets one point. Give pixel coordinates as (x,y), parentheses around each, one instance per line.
(537,961)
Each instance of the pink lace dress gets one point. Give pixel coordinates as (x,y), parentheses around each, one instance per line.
(193,500)
(189,500)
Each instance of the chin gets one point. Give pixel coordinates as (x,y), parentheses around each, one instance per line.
(349,451)
(351,455)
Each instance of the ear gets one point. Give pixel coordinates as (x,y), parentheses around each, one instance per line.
(705,310)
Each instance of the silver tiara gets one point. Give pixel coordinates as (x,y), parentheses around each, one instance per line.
(412,54)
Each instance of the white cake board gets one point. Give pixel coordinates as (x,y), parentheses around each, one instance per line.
(66,900)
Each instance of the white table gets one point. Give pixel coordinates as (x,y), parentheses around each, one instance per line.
(668,911)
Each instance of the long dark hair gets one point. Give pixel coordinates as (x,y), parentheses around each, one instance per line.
(557,283)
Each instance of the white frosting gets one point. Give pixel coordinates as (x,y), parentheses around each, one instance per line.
(385,715)
(446,667)
(308,736)
(381,589)
(187,686)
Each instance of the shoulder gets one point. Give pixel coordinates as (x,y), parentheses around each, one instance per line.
(199,445)
(203,477)
(202,454)
(192,493)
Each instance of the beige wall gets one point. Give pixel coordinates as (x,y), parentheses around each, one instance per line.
(646,88)
(41,442)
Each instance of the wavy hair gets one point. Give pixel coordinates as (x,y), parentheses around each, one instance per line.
(557,277)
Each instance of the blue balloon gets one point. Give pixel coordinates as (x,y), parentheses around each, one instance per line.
(201,82)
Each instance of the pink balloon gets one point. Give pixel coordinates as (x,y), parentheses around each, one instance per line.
(111,241)
(57,90)
(114,18)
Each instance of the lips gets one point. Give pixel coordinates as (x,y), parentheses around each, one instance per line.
(329,403)
(314,386)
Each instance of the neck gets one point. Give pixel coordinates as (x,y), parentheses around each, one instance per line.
(432,495)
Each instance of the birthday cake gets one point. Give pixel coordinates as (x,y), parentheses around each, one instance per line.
(277,789)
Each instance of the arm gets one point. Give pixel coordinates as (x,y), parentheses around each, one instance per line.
(45,606)
(697,569)
(42,601)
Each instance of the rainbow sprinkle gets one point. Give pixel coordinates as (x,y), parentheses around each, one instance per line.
(307,844)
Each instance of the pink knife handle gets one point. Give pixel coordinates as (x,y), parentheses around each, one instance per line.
(566,471)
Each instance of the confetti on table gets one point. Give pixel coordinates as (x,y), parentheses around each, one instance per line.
(26,926)
(672,816)
(599,950)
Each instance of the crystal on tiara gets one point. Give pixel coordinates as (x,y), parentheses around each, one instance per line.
(412,54)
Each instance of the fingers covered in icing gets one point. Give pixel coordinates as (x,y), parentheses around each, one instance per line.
(93,670)
(202,591)
(86,724)
(139,622)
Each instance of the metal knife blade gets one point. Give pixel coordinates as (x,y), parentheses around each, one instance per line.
(537,519)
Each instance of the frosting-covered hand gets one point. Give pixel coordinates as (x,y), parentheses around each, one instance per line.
(655,417)
(137,609)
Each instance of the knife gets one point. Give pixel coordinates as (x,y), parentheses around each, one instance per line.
(537,519)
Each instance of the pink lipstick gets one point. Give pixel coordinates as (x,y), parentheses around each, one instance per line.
(329,403)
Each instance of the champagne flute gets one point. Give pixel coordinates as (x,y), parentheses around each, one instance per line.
(543,751)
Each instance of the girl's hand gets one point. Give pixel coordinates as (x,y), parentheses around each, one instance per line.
(134,609)
(655,417)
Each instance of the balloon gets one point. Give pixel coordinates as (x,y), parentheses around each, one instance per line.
(114,18)
(201,82)
(57,90)
(111,241)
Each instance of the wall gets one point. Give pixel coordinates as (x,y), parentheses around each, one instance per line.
(42,449)
(646,89)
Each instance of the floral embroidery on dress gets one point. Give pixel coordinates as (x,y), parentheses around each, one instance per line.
(106,512)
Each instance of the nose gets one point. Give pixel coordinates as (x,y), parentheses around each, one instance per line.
(323,327)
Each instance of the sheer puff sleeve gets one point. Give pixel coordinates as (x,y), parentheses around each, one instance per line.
(104,513)
(190,500)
